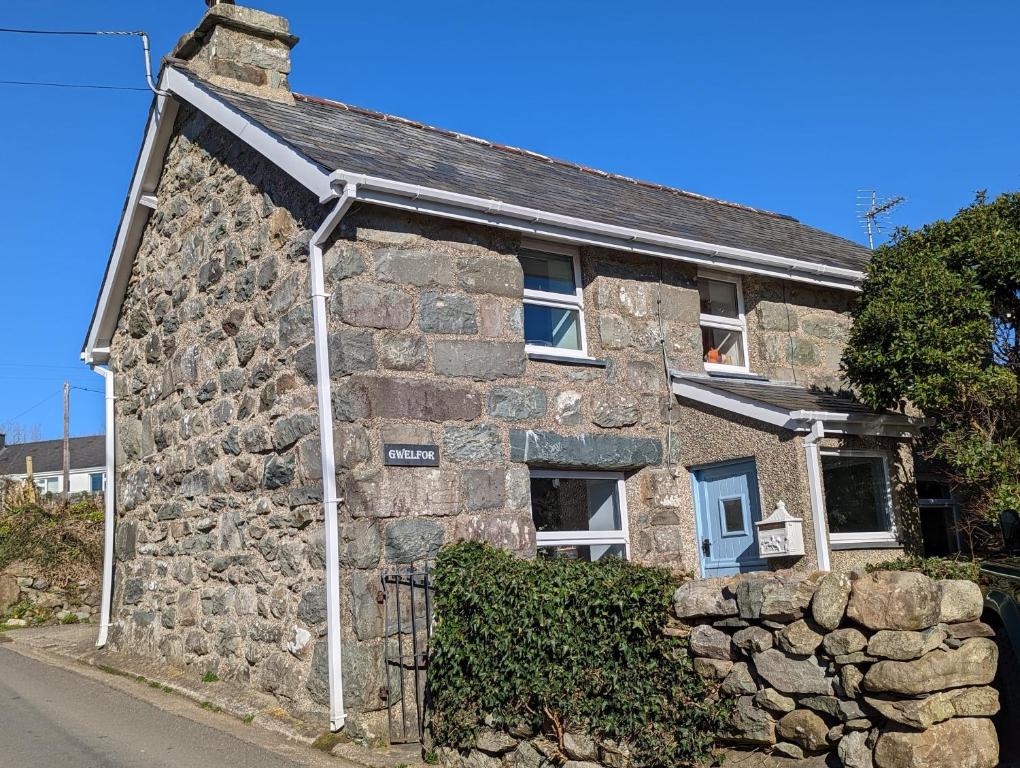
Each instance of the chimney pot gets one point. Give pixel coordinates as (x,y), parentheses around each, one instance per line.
(240,49)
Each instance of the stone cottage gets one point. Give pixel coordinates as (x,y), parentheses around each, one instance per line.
(335,339)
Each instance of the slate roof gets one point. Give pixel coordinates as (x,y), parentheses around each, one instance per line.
(48,455)
(338,136)
(782,395)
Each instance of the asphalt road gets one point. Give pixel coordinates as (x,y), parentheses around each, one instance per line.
(51,717)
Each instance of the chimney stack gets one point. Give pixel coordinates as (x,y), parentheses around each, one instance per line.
(3,439)
(240,49)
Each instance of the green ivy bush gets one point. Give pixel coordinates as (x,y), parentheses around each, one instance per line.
(564,645)
(934,567)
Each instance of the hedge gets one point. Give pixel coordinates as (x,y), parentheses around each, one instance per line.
(933,567)
(562,645)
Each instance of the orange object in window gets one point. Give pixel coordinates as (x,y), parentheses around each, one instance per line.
(713,356)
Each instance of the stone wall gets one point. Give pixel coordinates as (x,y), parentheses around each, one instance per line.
(22,583)
(880,670)
(220,561)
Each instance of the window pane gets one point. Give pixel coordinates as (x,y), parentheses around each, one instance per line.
(551,327)
(96,482)
(718,297)
(568,504)
(733,516)
(722,346)
(586,552)
(855,493)
(548,272)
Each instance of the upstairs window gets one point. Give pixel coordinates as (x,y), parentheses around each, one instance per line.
(579,515)
(723,327)
(553,301)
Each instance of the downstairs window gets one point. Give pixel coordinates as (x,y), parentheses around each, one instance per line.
(579,515)
(858,497)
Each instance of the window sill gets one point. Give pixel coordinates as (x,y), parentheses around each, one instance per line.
(848,544)
(552,357)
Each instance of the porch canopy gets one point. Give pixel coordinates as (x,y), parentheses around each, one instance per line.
(791,406)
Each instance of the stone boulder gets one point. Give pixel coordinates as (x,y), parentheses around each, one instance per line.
(975,702)
(753,639)
(705,598)
(786,600)
(799,638)
(915,713)
(960,600)
(805,729)
(793,675)
(963,742)
(853,750)
(973,663)
(841,642)
(902,645)
(894,600)
(711,643)
(828,606)
(749,725)
(9,591)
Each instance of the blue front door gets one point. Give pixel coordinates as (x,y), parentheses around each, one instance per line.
(727,500)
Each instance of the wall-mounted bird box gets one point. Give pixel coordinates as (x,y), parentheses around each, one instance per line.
(780,534)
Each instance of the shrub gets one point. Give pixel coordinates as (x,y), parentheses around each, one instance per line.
(565,645)
(934,567)
(64,543)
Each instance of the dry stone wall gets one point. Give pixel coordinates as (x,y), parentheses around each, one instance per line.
(887,669)
(22,583)
(880,670)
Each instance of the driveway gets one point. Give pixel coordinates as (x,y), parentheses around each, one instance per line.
(52,717)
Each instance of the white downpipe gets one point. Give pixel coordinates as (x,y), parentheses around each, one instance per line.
(324,390)
(110,504)
(814,471)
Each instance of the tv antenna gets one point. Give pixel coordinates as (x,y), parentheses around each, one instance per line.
(873,212)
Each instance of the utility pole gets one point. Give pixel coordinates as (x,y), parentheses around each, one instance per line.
(67,440)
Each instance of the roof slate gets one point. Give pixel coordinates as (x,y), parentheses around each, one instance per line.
(788,397)
(48,455)
(340,137)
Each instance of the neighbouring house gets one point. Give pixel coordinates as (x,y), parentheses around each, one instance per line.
(338,339)
(88,463)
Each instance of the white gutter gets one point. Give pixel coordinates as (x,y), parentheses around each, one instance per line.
(320,325)
(437,202)
(814,471)
(110,504)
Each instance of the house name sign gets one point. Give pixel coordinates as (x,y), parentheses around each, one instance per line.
(408,455)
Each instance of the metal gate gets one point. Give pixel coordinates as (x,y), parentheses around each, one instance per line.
(407,625)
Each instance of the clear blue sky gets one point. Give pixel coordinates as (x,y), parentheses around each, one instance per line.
(788,106)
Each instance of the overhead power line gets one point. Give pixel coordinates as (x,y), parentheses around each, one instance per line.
(33,407)
(74,85)
(88,33)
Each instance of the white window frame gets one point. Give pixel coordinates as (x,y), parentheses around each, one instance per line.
(101,474)
(43,482)
(738,323)
(587,538)
(889,536)
(574,302)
